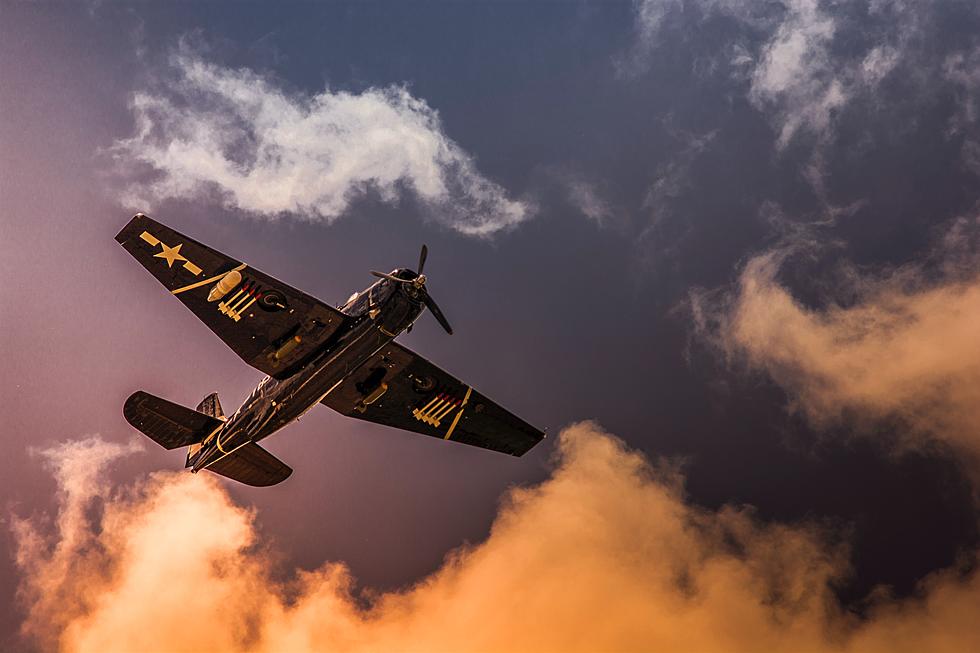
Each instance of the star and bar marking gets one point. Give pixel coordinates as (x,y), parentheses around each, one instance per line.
(170,254)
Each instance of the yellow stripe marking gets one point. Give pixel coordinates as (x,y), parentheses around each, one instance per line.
(227,453)
(444,410)
(238,312)
(452,426)
(418,413)
(429,405)
(428,417)
(224,307)
(234,309)
(219,444)
(216,429)
(150,238)
(193,269)
(206,281)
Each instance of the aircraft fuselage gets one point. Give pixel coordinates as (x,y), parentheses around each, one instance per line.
(381,312)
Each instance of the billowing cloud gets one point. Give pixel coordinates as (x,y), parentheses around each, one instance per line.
(233,136)
(605,555)
(77,467)
(907,347)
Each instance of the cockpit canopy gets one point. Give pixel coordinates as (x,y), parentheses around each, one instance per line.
(374,295)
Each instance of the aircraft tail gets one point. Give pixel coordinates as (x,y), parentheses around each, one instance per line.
(211,406)
(168,424)
(251,465)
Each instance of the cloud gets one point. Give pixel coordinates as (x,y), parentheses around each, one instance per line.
(794,77)
(963,71)
(605,554)
(905,345)
(802,62)
(232,135)
(584,195)
(790,71)
(649,19)
(674,177)
(588,200)
(77,468)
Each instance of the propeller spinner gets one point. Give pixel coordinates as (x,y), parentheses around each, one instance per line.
(419,282)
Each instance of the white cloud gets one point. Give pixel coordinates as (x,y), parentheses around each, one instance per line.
(232,134)
(795,76)
(585,196)
(878,63)
(797,70)
(650,16)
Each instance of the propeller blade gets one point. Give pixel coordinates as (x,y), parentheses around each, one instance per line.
(436,313)
(389,277)
(422,256)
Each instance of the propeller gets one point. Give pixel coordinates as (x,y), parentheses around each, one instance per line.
(419,282)
(436,313)
(422,256)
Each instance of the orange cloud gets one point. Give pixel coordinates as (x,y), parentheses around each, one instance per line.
(907,348)
(605,555)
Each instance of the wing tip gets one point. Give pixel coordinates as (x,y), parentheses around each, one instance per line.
(124,233)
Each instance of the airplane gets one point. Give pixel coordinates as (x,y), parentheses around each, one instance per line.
(312,353)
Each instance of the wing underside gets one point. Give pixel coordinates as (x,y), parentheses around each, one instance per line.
(270,325)
(399,388)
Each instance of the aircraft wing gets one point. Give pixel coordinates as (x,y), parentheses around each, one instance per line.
(272,326)
(399,388)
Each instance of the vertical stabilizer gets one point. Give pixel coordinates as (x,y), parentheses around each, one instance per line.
(211,406)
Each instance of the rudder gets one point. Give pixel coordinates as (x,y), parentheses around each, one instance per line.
(211,406)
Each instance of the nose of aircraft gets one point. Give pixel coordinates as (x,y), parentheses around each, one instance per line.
(417,279)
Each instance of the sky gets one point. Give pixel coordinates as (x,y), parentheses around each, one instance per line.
(726,252)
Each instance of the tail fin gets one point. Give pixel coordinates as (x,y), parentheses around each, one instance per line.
(168,424)
(211,406)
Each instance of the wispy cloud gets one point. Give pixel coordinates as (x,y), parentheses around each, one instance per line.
(794,77)
(905,345)
(584,195)
(802,62)
(606,554)
(963,70)
(233,136)
(674,177)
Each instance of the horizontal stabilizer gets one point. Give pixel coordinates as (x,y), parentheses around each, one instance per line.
(251,465)
(170,425)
